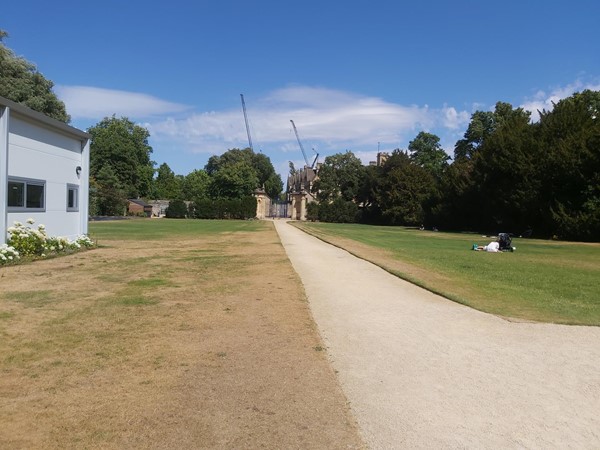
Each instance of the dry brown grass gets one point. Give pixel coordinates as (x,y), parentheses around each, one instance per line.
(204,343)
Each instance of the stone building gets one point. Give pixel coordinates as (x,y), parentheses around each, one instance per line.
(382,157)
(299,190)
(263,203)
(138,207)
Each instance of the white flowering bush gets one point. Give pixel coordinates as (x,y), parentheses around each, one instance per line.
(28,241)
(85,241)
(24,240)
(8,255)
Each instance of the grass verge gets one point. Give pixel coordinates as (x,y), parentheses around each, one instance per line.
(545,281)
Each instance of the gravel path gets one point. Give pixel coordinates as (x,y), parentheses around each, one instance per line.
(423,372)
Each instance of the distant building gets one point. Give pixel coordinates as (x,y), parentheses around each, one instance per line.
(382,157)
(263,203)
(138,207)
(299,190)
(159,207)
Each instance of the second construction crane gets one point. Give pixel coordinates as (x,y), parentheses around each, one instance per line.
(312,166)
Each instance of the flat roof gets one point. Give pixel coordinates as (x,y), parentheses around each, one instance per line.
(38,116)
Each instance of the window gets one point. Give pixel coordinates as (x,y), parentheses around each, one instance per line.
(25,194)
(16,194)
(72,197)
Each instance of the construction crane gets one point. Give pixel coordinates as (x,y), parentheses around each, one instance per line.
(246,120)
(312,166)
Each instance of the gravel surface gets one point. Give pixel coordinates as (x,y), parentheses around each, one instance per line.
(421,371)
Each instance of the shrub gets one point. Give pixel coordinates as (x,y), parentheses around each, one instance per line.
(224,208)
(8,255)
(177,209)
(312,211)
(338,211)
(26,241)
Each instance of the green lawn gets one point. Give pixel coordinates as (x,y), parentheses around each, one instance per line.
(547,281)
(153,229)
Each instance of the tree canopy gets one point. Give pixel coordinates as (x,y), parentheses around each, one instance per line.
(426,152)
(508,175)
(196,185)
(339,175)
(244,171)
(403,190)
(166,184)
(21,82)
(107,197)
(123,145)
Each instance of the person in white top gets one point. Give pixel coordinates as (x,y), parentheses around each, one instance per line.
(492,247)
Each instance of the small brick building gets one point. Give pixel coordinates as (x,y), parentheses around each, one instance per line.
(138,207)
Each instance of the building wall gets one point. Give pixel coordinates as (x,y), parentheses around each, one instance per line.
(159,207)
(263,205)
(3,171)
(134,208)
(299,190)
(36,151)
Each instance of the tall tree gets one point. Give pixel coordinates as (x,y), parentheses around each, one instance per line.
(403,190)
(367,193)
(261,164)
(124,146)
(196,185)
(426,151)
(107,197)
(231,156)
(21,82)
(481,126)
(458,206)
(340,175)
(234,181)
(505,172)
(267,177)
(570,169)
(166,184)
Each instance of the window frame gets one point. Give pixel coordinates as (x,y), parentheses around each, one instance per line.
(75,189)
(26,182)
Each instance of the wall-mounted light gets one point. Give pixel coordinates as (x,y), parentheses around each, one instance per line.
(78,170)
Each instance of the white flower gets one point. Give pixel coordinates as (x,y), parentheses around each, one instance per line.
(18,224)
(41,226)
(30,221)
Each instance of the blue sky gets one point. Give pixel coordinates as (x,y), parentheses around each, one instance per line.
(354,75)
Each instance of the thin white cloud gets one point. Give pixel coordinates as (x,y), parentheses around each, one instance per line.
(545,100)
(453,119)
(327,120)
(86,102)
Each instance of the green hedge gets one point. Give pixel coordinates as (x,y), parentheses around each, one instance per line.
(224,208)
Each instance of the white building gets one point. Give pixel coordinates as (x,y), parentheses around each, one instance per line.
(44,172)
